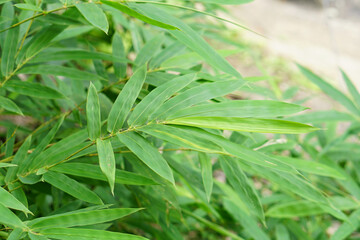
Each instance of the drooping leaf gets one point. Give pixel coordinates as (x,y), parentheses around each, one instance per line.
(94,172)
(125,9)
(242,186)
(81,218)
(9,218)
(147,153)
(87,234)
(9,201)
(107,161)
(93,113)
(245,124)
(9,105)
(351,87)
(94,15)
(206,173)
(156,98)
(33,90)
(118,52)
(71,187)
(9,51)
(125,100)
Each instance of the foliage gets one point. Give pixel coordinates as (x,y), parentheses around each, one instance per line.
(130,123)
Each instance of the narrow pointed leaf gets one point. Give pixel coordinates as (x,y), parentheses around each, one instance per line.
(241,184)
(107,161)
(125,9)
(9,201)
(93,113)
(94,15)
(9,51)
(157,97)
(9,105)
(87,234)
(125,100)
(351,87)
(147,153)
(94,172)
(245,124)
(9,218)
(71,187)
(81,218)
(29,7)
(149,50)
(347,228)
(206,173)
(33,90)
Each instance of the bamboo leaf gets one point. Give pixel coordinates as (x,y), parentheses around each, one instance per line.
(206,173)
(230,2)
(330,90)
(118,52)
(125,100)
(9,51)
(149,50)
(245,124)
(9,105)
(9,218)
(147,153)
(71,187)
(5,165)
(33,90)
(351,87)
(125,9)
(30,7)
(241,108)
(107,161)
(93,113)
(87,234)
(157,97)
(94,15)
(347,227)
(242,186)
(37,237)
(195,95)
(73,219)
(94,172)
(57,70)
(9,201)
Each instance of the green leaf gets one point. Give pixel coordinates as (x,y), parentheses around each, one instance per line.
(9,105)
(330,90)
(87,234)
(147,153)
(9,218)
(94,15)
(156,98)
(241,108)
(195,95)
(57,70)
(9,201)
(107,160)
(29,7)
(347,228)
(206,173)
(230,2)
(31,160)
(125,9)
(37,236)
(73,219)
(15,234)
(76,54)
(250,225)
(125,100)
(244,124)
(9,51)
(33,90)
(241,184)
(71,187)
(191,39)
(5,165)
(352,89)
(312,167)
(118,51)
(93,113)
(149,50)
(94,172)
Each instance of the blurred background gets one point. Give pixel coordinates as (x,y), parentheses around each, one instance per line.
(320,34)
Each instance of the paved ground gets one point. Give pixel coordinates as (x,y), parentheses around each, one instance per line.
(320,38)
